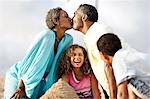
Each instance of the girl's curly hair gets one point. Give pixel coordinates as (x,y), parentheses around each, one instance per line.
(65,66)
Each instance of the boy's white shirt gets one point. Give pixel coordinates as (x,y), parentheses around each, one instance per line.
(97,64)
(130,63)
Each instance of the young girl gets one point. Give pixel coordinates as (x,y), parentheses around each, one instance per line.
(75,69)
(130,68)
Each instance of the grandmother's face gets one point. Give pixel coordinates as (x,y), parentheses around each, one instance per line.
(64,20)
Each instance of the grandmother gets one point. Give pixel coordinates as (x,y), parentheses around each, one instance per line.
(36,72)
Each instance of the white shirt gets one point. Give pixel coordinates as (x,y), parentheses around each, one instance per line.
(90,38)
(129,63)
(97,64)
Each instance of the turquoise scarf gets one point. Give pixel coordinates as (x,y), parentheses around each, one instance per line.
(39,59)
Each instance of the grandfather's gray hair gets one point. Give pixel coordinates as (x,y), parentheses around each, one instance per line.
(90,11)
(53,14)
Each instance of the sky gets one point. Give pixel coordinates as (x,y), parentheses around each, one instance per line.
(22,20)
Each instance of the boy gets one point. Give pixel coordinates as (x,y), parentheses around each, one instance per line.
(124,68)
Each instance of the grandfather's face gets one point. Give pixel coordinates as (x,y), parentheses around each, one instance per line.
(77,20)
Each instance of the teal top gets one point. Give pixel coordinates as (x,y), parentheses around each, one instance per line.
(39,60)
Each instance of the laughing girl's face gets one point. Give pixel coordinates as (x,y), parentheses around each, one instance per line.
(77,59)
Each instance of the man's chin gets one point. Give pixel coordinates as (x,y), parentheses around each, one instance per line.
(69,28)
(75,28)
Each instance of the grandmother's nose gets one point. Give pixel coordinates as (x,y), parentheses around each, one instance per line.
(71,20)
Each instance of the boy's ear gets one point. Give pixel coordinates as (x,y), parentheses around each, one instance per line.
(84,17)
(105,56)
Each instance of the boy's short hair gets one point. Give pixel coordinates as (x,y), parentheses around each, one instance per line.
(109,44)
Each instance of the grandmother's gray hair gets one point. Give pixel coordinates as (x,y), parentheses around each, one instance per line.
(53,14)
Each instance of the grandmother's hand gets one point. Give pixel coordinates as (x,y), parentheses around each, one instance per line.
(20,91)
(17,94)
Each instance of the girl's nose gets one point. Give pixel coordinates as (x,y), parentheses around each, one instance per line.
(77,57)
